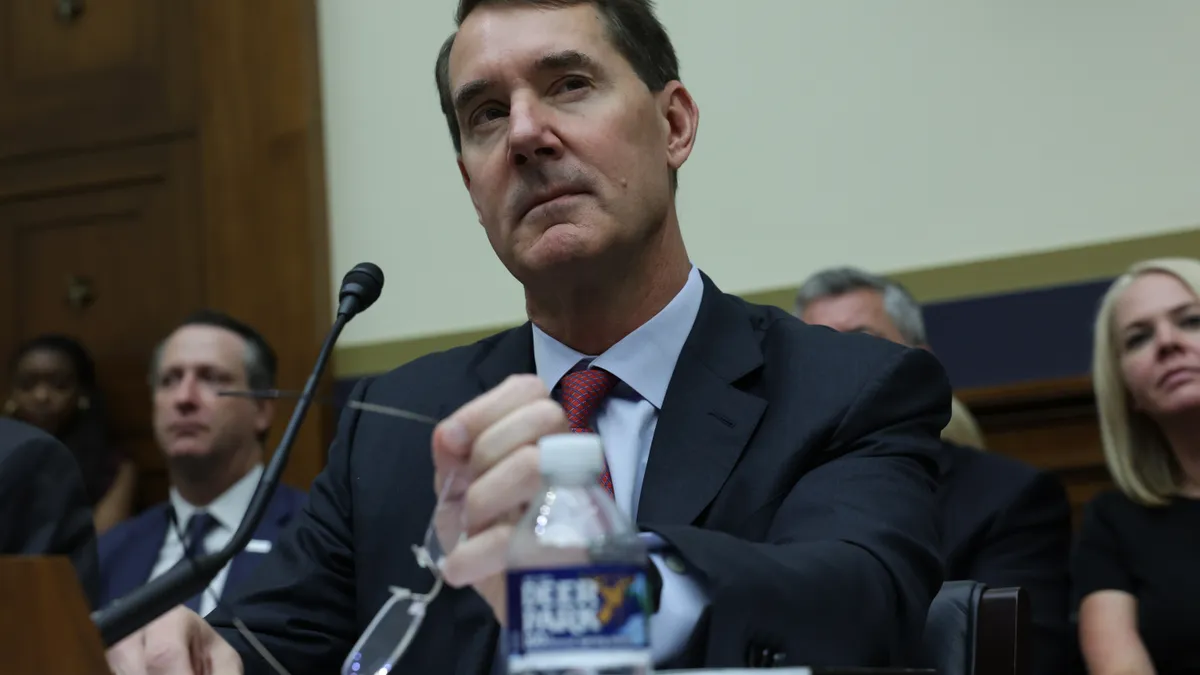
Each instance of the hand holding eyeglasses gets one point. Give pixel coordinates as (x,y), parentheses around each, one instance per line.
(486,464)
(485,455)
(486,471)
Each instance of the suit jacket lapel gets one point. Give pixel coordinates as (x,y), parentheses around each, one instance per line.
(268,530)
(706,420)
(132,564)
(512,355)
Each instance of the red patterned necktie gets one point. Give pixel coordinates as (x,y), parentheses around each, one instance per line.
(582,392)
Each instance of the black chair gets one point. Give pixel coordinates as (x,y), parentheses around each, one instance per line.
(975,630)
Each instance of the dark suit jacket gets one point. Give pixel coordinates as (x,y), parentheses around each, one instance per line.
(1005,523)
(44,508)
(792,466)
(129,550)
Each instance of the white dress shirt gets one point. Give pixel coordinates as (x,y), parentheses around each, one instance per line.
(228,511)
(644,362)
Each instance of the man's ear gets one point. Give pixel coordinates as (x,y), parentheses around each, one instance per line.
(266,412)
(681,116)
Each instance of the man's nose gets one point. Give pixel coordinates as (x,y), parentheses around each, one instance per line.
(187,392)
(531,136)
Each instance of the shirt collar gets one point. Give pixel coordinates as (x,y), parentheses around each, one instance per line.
(228,509)
(644,360)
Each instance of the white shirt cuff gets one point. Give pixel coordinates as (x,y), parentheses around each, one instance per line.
(679,608)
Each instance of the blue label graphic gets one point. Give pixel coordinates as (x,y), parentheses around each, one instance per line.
(575,608)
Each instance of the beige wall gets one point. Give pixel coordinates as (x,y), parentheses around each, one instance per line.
(900,136)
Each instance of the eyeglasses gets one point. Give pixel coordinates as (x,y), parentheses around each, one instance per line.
(398,621)
(395,625)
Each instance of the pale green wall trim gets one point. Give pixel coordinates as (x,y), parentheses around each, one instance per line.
(1054,268)
(973,279)
(1023,272)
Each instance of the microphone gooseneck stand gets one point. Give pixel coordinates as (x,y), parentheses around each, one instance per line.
(361,287)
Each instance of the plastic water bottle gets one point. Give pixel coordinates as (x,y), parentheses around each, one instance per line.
(578,596)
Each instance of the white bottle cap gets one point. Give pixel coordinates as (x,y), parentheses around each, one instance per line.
(571,454)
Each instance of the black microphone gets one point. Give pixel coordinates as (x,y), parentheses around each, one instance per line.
(360,288)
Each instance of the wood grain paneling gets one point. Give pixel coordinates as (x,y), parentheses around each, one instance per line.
(1051,424)
(123,225)
(119,71)
(264,187)
(44,624)
(168,155)
(149,286)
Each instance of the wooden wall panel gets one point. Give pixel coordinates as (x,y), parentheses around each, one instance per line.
(170,153)
(107,73)
(1051,424)
(102,246)
(262,173)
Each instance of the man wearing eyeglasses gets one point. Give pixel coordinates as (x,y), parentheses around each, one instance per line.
(786,468)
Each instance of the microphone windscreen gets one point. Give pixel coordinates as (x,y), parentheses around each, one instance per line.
(364,282)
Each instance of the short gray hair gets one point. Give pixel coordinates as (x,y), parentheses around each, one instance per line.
(901,307)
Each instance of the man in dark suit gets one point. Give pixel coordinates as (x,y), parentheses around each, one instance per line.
(789,469)
(44,508)
(1003,522)
(213,447)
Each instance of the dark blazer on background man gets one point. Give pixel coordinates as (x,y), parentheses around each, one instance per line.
(1005,523)
(44,507)
(793,466)
(129,551)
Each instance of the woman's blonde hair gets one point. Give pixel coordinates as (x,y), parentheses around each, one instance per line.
(962,428)
(1139,459)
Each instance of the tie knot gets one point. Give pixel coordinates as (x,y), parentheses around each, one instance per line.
(198,527)
(582,392)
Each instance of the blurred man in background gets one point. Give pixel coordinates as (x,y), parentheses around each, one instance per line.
(1004,523)
(213,446)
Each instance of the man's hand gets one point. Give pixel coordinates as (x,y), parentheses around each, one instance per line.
(176,643)
(489,446)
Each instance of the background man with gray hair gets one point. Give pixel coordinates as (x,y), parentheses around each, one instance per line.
(851,300)
(213,447)
(1004,523)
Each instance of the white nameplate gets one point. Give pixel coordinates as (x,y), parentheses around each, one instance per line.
(258,546)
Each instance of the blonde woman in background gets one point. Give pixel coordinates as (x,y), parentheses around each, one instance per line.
(1135,566)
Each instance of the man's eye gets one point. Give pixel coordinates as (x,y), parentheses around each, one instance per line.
(486,114)
(569,84)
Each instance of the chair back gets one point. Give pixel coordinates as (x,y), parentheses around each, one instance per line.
(1003,644)
(975,630)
